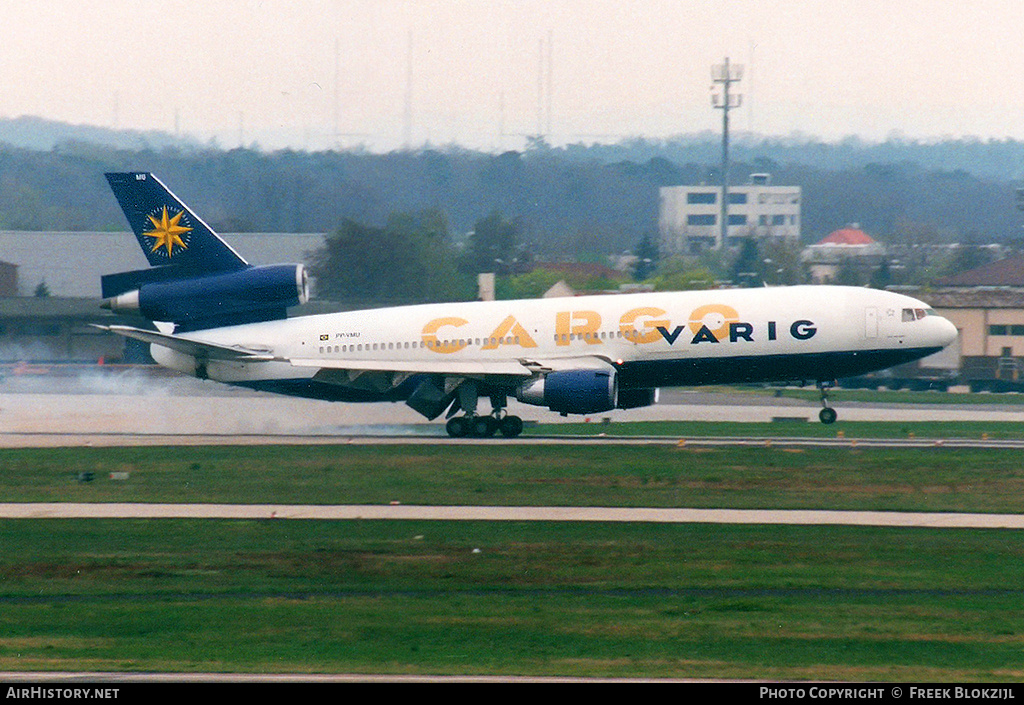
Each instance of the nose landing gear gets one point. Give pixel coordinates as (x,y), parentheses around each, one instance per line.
(827,415)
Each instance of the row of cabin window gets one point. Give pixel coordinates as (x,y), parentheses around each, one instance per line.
(511,340)
(414,345)
(603,335)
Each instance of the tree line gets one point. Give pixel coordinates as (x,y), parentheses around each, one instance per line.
(567,201)
(456,212)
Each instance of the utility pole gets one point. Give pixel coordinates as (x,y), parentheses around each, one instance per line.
(407,118)
(725,74)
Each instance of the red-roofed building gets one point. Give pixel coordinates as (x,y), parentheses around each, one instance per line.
(848,253)
(850,236)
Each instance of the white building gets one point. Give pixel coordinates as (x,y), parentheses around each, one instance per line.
(689,215)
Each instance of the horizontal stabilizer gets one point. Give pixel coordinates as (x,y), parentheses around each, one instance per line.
(197,349)
(112,285)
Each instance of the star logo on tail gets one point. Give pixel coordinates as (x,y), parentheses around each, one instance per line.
(167,232)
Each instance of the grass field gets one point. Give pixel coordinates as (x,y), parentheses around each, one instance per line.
(778,602)
(995,430)
(897,479)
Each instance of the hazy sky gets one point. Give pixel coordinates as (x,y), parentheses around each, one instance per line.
(294,72)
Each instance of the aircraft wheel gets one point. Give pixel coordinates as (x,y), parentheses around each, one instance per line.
(510,426)
(458,427)
(827,415)
(483,426)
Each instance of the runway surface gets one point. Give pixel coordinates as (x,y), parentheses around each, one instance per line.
(146,408)
(117,440)
(932,520)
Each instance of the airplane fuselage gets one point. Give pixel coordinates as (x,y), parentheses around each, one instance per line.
(225,319)
(810,333)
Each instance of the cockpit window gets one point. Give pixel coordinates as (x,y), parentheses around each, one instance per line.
(916,314)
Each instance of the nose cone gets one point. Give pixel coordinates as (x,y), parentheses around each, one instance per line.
(944,331)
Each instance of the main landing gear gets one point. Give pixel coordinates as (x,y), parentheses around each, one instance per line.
(827,414)
(484,426)
(472,425)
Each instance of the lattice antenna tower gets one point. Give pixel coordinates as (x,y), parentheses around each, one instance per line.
(725,99)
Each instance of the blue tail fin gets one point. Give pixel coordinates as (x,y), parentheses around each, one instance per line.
(167,230)
(195,280)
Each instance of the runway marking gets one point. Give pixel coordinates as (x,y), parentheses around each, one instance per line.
(931,520)
(76,440)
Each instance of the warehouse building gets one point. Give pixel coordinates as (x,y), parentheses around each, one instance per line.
(986,305)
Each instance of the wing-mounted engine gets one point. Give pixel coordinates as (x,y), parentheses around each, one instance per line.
(229,298)
(580,386)
(583,391)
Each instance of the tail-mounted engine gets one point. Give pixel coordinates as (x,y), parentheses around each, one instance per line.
(241,296)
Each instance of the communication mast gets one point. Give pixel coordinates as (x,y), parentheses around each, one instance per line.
(724,75)
(407,116)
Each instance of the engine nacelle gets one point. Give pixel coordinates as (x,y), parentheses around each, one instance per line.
(241,296)
(572,391)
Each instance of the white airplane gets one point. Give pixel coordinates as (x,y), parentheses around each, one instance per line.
(218,317)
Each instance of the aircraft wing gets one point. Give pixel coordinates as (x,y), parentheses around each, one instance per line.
(195,348)
(506,368)
(522,367)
